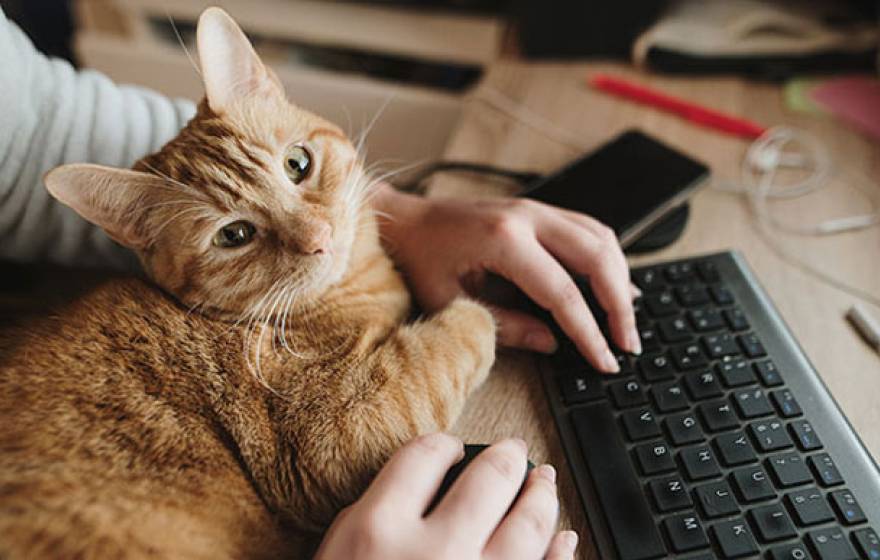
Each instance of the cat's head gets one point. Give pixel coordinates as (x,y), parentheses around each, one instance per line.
(255,203)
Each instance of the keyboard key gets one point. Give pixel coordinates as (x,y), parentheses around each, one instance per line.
(579,388)
(805,436)
(699,462)
(702,385)
(735,449)
(825,470)
(684,428)
(847,507)
(674,330)
(685,532)
(752,403)
(620,494)
(640,424)
(650,342)
(669,397)
(785,403)
(831,544)
(656,367)
(721,295)
(692,295)
(625,363)
(770,435)
(718,416)
(720,345)
(736,372)
(789,469)
(809,507)
(708,272)
(752,346)
(716,499)
(772,523)
(752,484)
(628,393)
(735,538)
(688,356)
(649,280)
(790,552)
(868,543)
(670,494)
(705,320)
(736,319)
(768,373)
(661,304)
(654,458)
(679,272)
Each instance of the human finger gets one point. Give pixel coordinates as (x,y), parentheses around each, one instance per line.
(521,330)
(526,263)
(563,546)
(412,476)
(598,257)
(526,531)
(635,291)
(483,492)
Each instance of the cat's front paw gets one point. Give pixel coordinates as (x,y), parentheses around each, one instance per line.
(478,329)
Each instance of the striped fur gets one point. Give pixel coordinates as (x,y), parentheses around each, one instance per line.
(233,404)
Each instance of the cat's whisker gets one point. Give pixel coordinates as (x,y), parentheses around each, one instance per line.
(349,132)
(289,305)
(255,364)
(182,43)
(279,315)
(365,132)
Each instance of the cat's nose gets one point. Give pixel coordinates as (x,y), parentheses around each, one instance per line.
(317,240)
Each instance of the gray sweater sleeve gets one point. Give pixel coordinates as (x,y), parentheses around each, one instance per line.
(52,114)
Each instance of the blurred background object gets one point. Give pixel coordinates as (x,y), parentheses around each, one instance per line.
(408,65)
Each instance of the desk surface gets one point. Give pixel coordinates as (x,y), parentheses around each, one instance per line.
(512,401)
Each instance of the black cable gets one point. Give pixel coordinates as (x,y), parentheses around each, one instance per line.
(415,183)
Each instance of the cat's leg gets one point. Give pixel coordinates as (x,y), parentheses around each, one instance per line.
(429,368)
(415,382)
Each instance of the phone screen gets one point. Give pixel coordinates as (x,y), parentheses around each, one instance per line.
(627,181)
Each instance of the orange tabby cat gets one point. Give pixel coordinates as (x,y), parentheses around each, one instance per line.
(253,388)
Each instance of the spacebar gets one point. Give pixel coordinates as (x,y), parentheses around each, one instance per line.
(620,494)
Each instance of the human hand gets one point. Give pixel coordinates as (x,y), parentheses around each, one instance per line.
(472,520)
(446,246)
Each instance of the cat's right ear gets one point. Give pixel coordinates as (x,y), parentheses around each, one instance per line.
(110,198)
(231,69)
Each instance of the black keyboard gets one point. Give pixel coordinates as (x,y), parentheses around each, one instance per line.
(720,440)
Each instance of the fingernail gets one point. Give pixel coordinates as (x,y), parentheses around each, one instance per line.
(540,341)
(635,291)
(547,472)
(609,362)
(571,539)
(634,342)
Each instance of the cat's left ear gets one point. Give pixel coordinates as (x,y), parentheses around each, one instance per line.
(231,69)
(110,198)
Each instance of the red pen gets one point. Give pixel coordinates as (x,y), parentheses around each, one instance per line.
(704,116)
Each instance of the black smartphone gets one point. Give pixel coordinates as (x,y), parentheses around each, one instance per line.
(629,184)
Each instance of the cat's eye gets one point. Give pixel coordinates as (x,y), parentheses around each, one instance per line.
(235,234)
(297,164)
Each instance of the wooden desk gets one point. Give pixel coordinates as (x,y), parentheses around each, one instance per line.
(512,401)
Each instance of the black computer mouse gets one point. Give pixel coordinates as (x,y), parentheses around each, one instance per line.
(471,450)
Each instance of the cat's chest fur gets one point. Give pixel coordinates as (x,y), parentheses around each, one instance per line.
(128,394)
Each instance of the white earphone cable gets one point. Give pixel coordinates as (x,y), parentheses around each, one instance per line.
(759,170)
